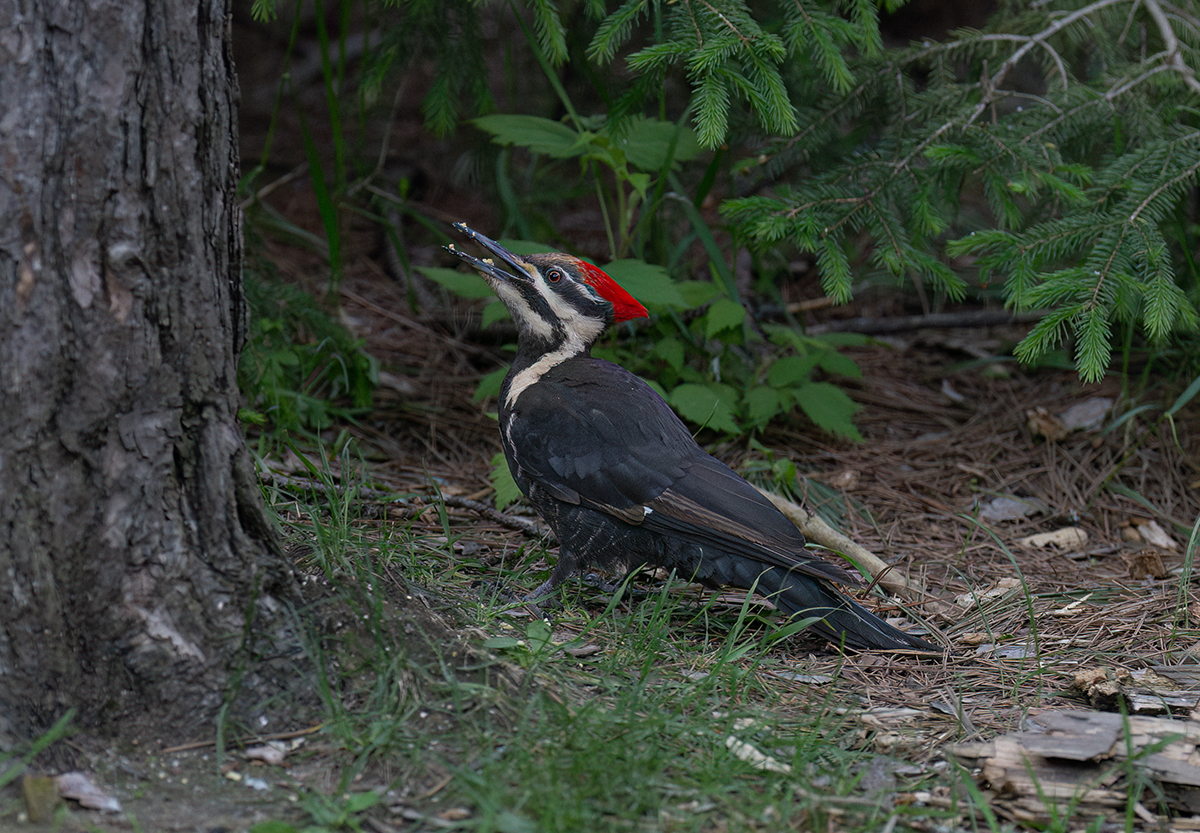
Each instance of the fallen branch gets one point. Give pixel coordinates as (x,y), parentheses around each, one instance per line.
(816,530)
(941,320)
(525,525)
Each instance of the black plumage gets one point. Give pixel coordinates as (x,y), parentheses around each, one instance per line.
(615,473)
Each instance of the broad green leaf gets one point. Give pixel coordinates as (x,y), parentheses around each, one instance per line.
(785,336)
(493,312)
(502,481)
(697,293)
(538,134)
(670,350)
(525,247)
(285,358)
(650,284)
(462,284)
(762,404)
(831,361)
(639,182)
(489,385)
(647,141)
(791,370)
(538,635)
(724,314)
(830,408)
(705,405)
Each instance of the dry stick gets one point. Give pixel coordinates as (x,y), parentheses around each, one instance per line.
(816,530)
(936,320)
(201,744)
(525,525)
(418,503)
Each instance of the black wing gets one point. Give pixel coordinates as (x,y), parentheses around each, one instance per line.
(636,461)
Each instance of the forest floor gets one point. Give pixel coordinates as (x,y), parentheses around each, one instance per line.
(954,475)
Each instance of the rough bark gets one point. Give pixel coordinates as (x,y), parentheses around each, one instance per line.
(134,553)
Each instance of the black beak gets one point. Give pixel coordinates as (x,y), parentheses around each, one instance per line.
(488,266)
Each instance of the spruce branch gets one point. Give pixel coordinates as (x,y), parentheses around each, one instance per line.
(1051,30)
(1187,173)
(1174,54)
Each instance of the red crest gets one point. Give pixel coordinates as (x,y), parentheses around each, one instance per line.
(625,306)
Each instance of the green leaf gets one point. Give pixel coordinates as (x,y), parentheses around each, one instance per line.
(791,370)
(706,405)
(489,385)
(647,142)
(639,182)
(462,284)
(830,408)
(697,293)
(506,488)
(724,314)
(501,643)
(670,350)
(650,284)
(273,826)
(493,312)
(525,247)
(538,134)
(711,98)
(285,357)
(762,404)
(831,361)
(357,802)
(1184,398)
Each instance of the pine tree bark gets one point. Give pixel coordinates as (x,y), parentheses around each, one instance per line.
(135,557)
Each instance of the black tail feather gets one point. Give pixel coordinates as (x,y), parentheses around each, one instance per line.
(842,620)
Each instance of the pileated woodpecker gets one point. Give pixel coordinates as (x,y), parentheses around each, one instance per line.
(617,475)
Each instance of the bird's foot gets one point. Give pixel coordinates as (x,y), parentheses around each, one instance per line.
(543,598)
(601,583)
(494,594)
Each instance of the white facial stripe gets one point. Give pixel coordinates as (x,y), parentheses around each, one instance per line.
(521,311)
(577,330)
(576,325)
(558,305)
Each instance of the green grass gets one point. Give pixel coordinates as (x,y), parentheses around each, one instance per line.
(679,719)
(666,727)
(651,708)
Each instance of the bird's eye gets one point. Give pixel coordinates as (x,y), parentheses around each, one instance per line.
(554,275)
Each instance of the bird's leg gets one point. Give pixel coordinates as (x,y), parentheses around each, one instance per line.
(562,571)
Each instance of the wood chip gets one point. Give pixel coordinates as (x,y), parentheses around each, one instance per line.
(1077,760)
(1066,538)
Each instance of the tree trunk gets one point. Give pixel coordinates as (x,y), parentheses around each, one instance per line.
(134,551)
